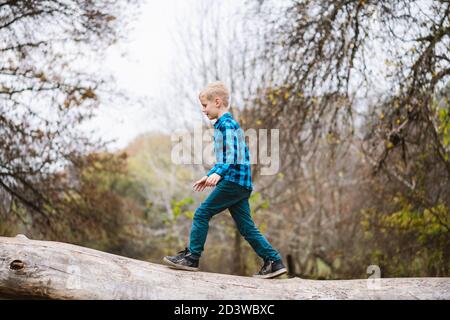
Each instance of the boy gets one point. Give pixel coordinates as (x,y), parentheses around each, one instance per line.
(231,178)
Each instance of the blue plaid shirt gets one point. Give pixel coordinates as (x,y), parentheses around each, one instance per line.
(232,155)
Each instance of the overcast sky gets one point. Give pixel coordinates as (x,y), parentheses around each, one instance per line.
(141,66)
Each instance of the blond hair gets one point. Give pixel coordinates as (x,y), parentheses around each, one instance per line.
(216,89)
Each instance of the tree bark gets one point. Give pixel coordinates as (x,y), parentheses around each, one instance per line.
(55,270)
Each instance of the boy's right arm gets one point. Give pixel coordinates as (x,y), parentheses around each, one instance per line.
(200,185)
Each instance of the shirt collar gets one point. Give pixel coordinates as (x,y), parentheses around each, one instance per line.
(222,118)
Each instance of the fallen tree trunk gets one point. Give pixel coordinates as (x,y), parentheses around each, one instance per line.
(55,270)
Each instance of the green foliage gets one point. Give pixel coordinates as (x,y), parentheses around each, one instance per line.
(444,121)
(409,241)
(179,207)
(257,202)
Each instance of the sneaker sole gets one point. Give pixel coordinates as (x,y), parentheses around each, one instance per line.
(271,275)
(177,266)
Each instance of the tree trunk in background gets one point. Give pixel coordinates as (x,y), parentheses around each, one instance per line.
(238,263)
(55,270)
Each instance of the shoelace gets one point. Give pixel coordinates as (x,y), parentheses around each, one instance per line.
(266,263)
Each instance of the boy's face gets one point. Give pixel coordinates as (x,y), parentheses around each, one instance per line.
(210,108)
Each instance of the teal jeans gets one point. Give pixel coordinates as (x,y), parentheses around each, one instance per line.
(232,196)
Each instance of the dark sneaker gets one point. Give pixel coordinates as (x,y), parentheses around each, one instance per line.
(271,269)
(183,260)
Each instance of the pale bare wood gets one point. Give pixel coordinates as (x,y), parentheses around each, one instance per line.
(55,270)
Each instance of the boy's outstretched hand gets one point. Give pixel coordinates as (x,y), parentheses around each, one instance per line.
(200,184)
(206,181)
